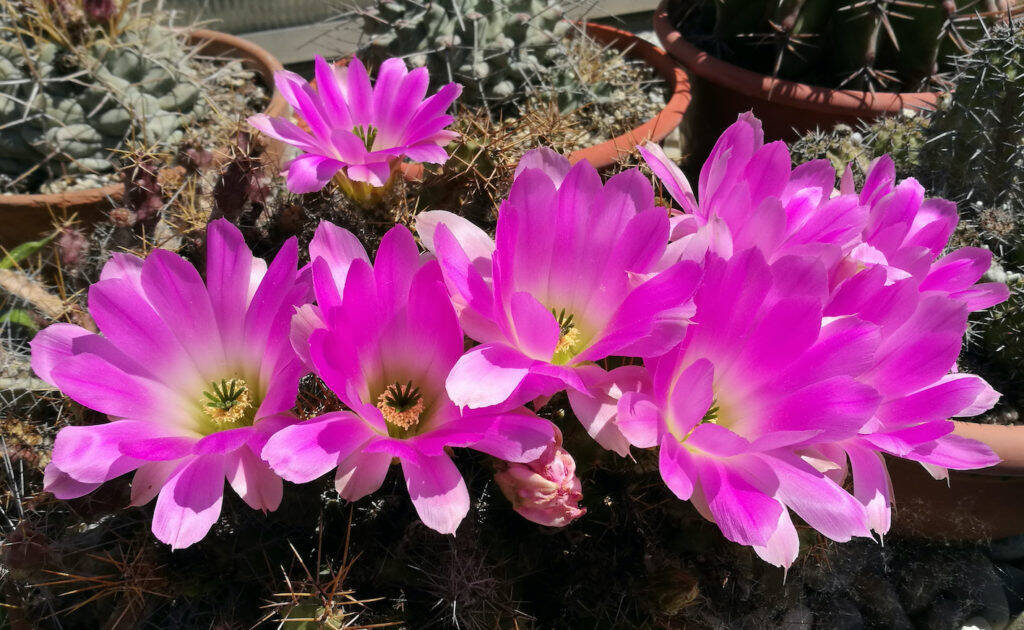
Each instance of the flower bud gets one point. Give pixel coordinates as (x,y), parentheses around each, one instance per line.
(546,490)
(100,10)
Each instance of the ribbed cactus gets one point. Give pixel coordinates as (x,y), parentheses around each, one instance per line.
(67,102)
(499,50)
(889,45)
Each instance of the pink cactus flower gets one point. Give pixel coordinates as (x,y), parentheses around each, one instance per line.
(569,281)
(384,339)
(906,233)
(358,132)
(748,195)
(194,377)
(758,377)
(546,490)
(914,371)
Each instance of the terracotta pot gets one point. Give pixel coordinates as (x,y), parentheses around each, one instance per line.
(656,129)
(722,91)
(25,217)
(974,505)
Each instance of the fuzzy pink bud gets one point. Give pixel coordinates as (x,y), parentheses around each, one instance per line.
(546,490)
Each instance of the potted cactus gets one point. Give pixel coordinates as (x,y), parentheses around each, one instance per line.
(81,82)
(978,129)
(506,51)
(804,65)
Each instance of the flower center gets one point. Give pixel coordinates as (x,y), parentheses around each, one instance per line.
(367,135)
(570,339)
(228,404)
(402,406)
(712,414)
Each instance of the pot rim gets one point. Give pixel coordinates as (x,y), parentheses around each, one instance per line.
(265,64)
(781,91)
(656,128)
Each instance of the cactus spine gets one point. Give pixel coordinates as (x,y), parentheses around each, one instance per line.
(894,45)
(71,92)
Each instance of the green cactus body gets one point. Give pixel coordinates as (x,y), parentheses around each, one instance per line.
(65,108)
(499,50)
(863,44)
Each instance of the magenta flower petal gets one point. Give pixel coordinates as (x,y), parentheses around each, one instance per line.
(677,468)
(307,450)
(189,503)
(285,131)
(554,165)
(361,474)
(670,175)
(52,346)
(310,172)
(783,544)
(150,478)
(605,410)
(536,328)
(822,503)
(94,382)
(178,295)
(329,88)
(871,486)
(253,480)
(64,486)
(487,375)
(158,448)
(744,513)
(956,452)
(438,492)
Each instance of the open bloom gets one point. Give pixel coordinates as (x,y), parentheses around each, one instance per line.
(914,372)
(758,377)
(356,131)
(568,281)
(546,490)
(749,195)
(905,234)
(194,377)
(386,339)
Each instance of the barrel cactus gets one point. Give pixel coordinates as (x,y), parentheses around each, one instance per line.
(862,44)
(499,50)
(67,100)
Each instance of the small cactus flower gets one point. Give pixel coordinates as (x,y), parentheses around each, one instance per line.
(546,490)
(571,278)
(73,246)
(358,133)
(383,338)
(100,11)
(194,377)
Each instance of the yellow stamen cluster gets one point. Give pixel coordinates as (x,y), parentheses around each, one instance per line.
(567,342)
(227,402)
(403,418)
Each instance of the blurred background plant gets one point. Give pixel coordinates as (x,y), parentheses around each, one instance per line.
(514,56)
(890,45)
(81,80)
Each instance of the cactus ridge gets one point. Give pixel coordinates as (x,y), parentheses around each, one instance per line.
(899,45)
(66,103)
(501,51)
